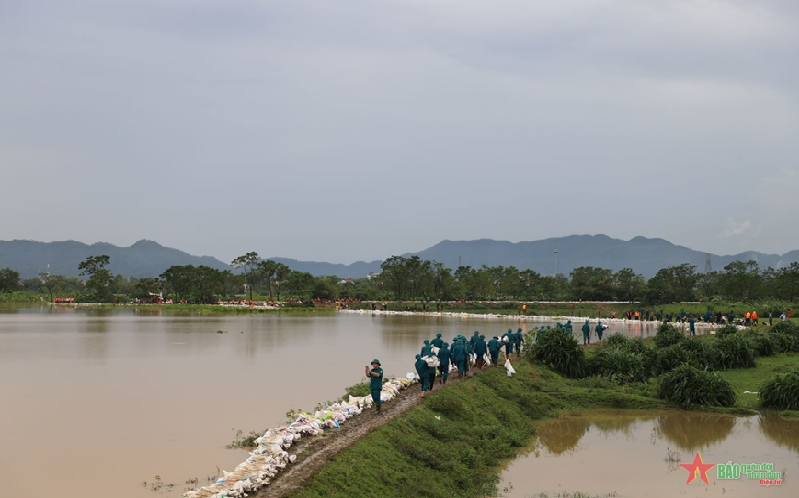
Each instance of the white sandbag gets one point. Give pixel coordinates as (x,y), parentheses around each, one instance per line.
(509,367)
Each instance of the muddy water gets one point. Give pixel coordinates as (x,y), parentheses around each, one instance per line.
(95,402)
(638,456)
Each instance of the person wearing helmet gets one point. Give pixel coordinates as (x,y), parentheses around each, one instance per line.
(427,348)
(459,357)
(494,347)
(444,356)
(438,341)
(375,382)
(421,371)
(586,333)
(480,349)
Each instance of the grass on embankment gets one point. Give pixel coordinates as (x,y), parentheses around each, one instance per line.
(451,445)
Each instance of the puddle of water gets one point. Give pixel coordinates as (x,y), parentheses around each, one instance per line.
(600,453)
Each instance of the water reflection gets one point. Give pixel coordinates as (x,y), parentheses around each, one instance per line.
(562,434)
(607,454)
(783,432)
(692,431)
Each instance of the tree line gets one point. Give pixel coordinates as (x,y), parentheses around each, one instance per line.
(413,278)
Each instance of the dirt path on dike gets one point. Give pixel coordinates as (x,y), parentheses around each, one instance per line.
(313,452)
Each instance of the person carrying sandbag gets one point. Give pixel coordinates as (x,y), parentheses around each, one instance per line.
(421,371)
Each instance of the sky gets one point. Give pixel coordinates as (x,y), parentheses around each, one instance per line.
(355,130)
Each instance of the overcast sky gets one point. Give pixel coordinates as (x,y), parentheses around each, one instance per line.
(346,130)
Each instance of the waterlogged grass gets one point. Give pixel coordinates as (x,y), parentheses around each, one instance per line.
(752,379)
(451,445)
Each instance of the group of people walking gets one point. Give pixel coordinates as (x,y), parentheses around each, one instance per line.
(436,359)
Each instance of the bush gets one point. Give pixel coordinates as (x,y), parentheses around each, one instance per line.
(781,392)
(620,365)
(692,351)
(668,335)
(785,343)
(763,344)
(734,351)
(726,330)
(616,340)
(688,386)
(561,352)
(789,328)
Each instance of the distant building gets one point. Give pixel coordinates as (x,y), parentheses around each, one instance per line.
(372,275)
(346,281)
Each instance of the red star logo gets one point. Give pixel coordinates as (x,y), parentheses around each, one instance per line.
(697,468)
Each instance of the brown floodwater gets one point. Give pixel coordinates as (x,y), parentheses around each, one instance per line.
(97,401)
(600,453)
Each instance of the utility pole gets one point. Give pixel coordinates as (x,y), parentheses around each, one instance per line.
(556,261)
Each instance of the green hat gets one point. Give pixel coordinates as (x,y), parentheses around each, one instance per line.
(427,341)
(510,330)
(376,361)
(438,335)
(482,336)
(476,332)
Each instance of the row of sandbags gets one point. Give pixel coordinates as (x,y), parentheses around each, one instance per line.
(270,456)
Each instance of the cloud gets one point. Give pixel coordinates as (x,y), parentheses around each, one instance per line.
(735,229)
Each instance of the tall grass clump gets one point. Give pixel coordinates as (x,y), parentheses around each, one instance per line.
(688,386)
(763,344)
(781,392)
(692,351)
(668,335)
(621,365)
(616,340)
(726,330)
(785,328)
(734,351)
(560,351)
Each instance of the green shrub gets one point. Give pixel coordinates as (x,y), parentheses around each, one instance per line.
(561,352)
(688,386)
(692,351)
(726,330)
(763,344)
(616,340)
(620,365)
(785,343)
(668,335)
(789,328)
(734,351)
(781,392)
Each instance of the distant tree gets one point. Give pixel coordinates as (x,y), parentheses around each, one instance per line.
(247,262)
(742,281)
(282,273)
(98,285)
(144,287)
(9,280)
(266,271)
(301,284)
(592,284)
(629,286)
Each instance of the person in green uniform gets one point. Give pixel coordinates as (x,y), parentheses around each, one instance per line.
(438,341)
(518,338)
(586,334)
(421,371)
(427,348)
(459,357)
(480,349)
(599,330)
(494,346)
(691,325)
(508,343)
(444,355)
(375,382)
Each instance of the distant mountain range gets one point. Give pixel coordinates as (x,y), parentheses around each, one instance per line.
(149,259)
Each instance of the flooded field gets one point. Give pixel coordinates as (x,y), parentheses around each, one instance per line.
(605,452)
(98,401)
